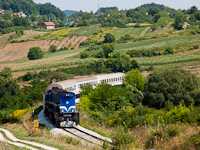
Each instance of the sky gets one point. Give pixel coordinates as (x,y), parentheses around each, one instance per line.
(88,5)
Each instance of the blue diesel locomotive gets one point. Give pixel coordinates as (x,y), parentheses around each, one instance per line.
(60,107)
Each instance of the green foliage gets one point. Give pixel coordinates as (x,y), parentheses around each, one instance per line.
(109,38)
(84,55)
(84,31)
(179,20)
(19,21)
(175,85)
(6,73)
(35,53)
(28,76)
(108,48)
(135,78)
(153,10)
(52,48)
(59,76)
(169,50)
(123,140)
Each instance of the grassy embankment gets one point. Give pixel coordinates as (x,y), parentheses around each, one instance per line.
(24,130)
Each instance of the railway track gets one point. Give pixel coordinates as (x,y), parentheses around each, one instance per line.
(88,135)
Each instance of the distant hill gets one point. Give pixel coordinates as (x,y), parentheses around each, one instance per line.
(29,8)
(147,6)
(69,12)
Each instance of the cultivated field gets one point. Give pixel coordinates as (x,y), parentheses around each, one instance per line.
(16,51)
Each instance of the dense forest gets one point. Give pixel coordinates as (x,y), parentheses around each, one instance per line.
(157,15)
(31,8)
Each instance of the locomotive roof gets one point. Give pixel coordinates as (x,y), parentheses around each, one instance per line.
(60,91)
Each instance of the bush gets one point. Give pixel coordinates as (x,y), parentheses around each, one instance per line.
(59,76)
(196,46)
(169,50)
(35,53)
(109,38)
(28,76)
(52,48)
(123,140)
(84,55)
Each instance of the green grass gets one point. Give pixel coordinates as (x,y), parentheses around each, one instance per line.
(84,31)
(52,64)
(122,31)
(65,52)
(161,42)
(138,31)
(166,59)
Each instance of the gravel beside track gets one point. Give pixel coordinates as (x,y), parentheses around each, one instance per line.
(84,135)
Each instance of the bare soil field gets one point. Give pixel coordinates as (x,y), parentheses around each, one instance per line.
(29,35)
(4,39)
(15,51)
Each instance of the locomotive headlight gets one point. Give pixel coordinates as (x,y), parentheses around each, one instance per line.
(62,110)
(72,109)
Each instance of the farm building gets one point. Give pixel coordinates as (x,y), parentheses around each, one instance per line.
(49,25)
(185,25)
(2,12)
(20,14)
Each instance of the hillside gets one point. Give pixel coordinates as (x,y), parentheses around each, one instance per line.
(69,12)
(31,8)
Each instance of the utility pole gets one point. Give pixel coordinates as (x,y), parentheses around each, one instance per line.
(99,8)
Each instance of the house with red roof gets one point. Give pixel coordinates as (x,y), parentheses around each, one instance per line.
(20,14)
(2,12)
(48,25)
(185,25)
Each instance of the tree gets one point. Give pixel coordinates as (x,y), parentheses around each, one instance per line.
(179,20)
(35,53)
(193,10)
(177,86)
(135,78)
(109,38)
(6,73)
(19,21)
(108,48)
(153,10)
(7,15)
(52,48)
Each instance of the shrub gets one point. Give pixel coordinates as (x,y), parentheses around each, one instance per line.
(35,53)
(109,38)
(52,48)
(59,76)
(28,76)
(196,46)
(169,50)
(123,140)
(84,55)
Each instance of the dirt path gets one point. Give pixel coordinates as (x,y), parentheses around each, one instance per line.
(144,32)
(190,52)
(167,26)
(19,142)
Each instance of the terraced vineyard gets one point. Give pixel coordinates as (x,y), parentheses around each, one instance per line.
(84,31)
